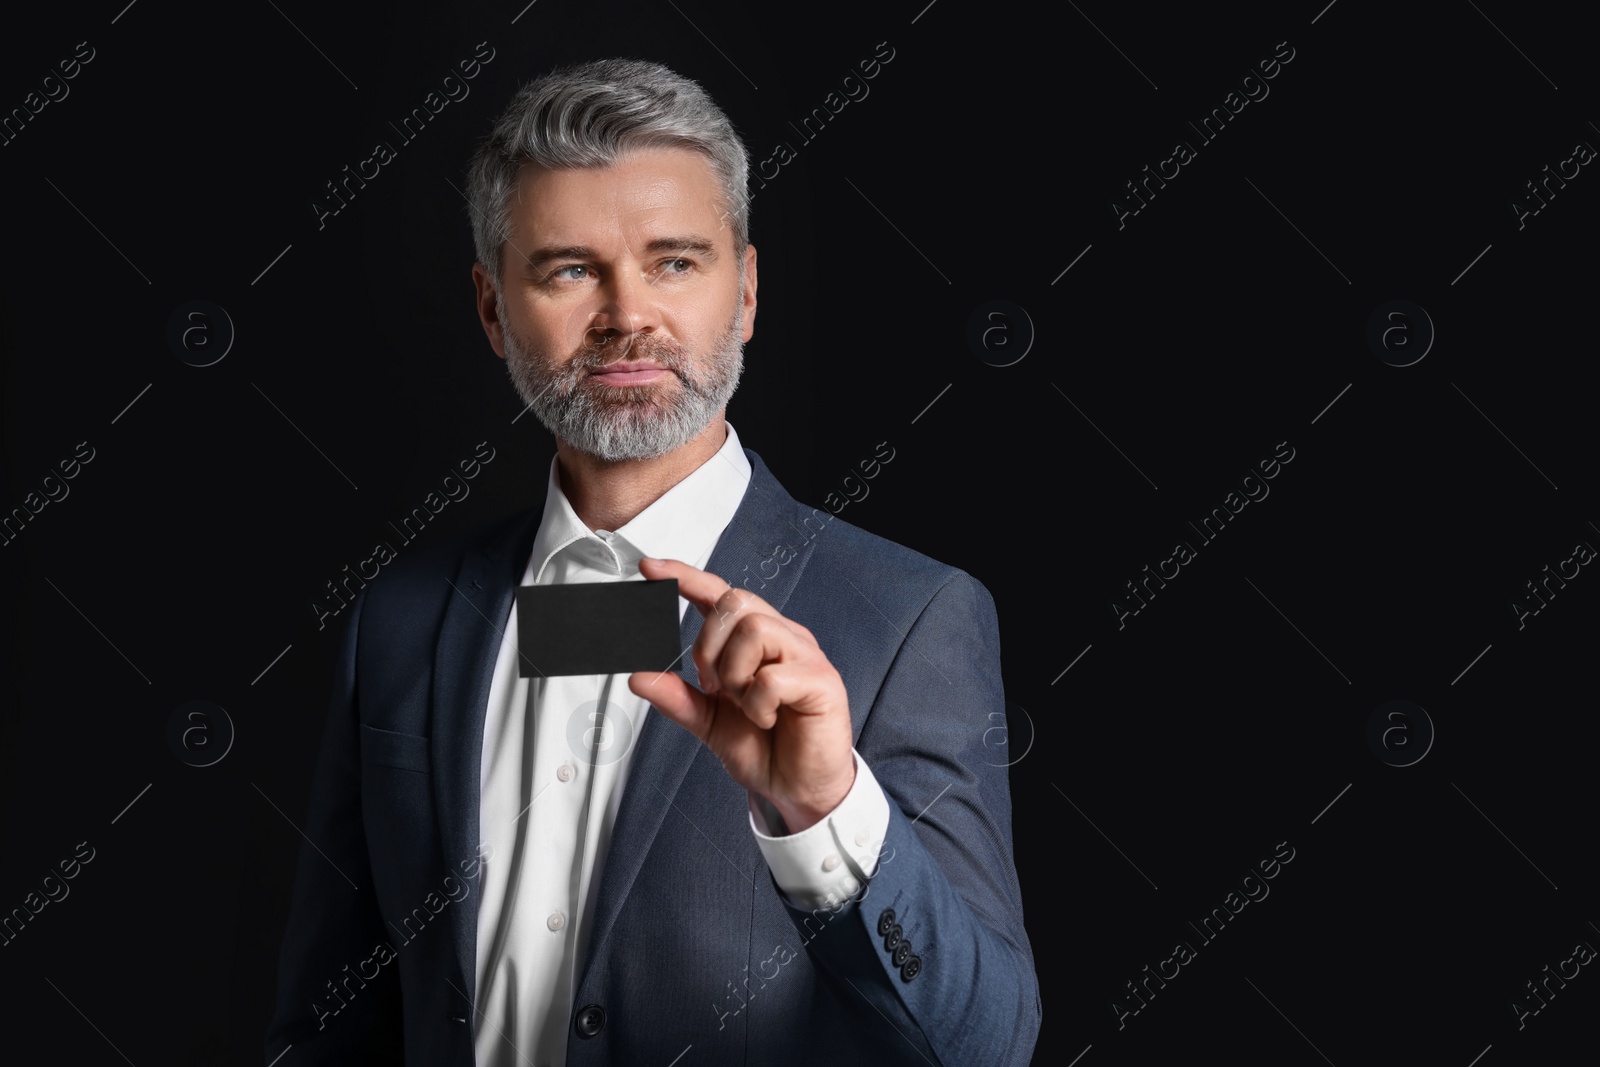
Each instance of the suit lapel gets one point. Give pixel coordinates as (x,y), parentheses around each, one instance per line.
(665,750)
(475,616)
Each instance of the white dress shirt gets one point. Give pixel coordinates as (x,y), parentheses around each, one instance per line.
(555,761)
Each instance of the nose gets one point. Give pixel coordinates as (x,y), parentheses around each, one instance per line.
(627,309)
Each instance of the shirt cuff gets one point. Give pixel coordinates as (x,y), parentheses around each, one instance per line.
(830,860)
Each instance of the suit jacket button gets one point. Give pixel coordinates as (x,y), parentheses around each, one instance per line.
(911,968)
(885,921)
(591,1020)
(892,939)
(902,952)
(459,1020)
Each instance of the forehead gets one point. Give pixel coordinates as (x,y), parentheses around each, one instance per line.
(647,193)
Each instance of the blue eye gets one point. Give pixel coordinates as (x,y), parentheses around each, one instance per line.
(561,272)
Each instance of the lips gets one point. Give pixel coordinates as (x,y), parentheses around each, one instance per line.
(629,373)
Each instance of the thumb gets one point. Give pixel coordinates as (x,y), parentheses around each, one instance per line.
(674,698)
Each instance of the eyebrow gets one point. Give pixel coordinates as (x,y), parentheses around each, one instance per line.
(542,256)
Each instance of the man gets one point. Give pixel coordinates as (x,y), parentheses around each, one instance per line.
(789,849)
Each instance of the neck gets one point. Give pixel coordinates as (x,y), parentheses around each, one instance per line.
(608,495)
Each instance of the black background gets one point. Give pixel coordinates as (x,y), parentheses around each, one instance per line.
(1177,352)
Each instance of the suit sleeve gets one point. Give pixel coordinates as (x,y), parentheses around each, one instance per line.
(331,1009)
(935,943)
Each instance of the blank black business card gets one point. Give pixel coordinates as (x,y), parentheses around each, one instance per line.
(597,628)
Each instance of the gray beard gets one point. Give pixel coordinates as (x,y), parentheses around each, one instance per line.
(625,422)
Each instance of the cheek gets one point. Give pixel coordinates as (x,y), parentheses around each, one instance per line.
(727,316)
(566,328)
(543,333)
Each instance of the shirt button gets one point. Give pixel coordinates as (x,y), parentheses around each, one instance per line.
(564,772)
(831,862)
(862,837)
(556,920)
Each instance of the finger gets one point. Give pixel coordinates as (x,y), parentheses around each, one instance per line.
(796,686)
(711,642)
(756,641)
(700,588)
(710,655)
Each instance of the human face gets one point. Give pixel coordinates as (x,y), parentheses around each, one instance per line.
(623,311)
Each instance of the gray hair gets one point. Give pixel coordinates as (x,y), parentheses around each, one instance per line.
(589,115)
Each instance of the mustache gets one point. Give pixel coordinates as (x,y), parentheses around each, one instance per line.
(595,355)
(533,371)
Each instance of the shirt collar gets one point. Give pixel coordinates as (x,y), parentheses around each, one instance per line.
(683,523)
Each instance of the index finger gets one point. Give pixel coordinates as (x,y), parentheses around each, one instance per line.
(700,588)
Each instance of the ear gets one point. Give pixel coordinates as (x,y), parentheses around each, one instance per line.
(749,292)
(488,316)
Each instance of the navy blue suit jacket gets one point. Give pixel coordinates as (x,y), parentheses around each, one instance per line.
(692,944)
